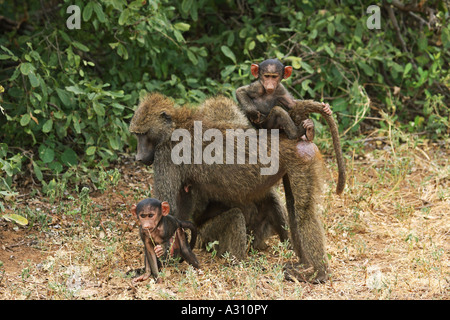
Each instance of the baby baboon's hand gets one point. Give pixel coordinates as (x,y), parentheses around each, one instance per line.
(327,108)
(159,251)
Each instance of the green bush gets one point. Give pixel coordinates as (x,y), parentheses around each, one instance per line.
(68,95)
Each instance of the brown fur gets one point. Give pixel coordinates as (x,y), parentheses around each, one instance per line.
(236,184)
(223,112)
(301,111)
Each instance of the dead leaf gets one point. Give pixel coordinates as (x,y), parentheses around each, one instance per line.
(34,118)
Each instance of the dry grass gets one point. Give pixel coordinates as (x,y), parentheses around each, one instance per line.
(388,237)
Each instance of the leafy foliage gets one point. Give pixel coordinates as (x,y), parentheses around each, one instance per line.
(69,93)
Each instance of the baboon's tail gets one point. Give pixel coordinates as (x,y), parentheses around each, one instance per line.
(311,106)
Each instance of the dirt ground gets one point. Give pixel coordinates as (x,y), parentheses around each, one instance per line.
(388,237)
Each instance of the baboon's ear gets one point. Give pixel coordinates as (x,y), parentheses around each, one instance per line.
(287,72)
(254,68)
(166,117)
(165,208)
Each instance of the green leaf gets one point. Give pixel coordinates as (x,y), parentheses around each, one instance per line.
(329,51)
(295,62)
(69,157)
(113,142)
(305,84)
(194,11)
(358,32)
(192,57)
(6,50)
(422,43)
(228,53)
(445,36)
(87,11)
(3,150)
(122,51)
(99,109)
(331,30)
(227,71)
(48,125)
(307,67)
(313,34)
(99,12)
(80,46)
(182,26)
(55,166)
(186,6)
(26,68)
(64,97)
(91,150)
(118,106)
(366,68)
(230,39)
(124,17)
(46,153)
(43,86)
(76,124)
(408,68)
(75,89)
(118,4)
(65,36)
(16,218)
(25,120)
(37,171)
(340,104)
(178,36)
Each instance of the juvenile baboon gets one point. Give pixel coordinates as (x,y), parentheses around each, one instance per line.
(162,234)
(264,100)
(235,184)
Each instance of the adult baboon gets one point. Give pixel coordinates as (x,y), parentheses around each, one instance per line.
(263,218)
(154,122)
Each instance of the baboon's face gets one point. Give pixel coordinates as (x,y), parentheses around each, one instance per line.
(152,124)
(145,149)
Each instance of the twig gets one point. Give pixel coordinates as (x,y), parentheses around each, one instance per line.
(371,139)
(402,7)
(18,244)
(53,105)
(298,81)
(396,27)
(422,20)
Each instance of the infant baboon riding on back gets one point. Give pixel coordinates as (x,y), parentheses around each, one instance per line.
(264,102)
